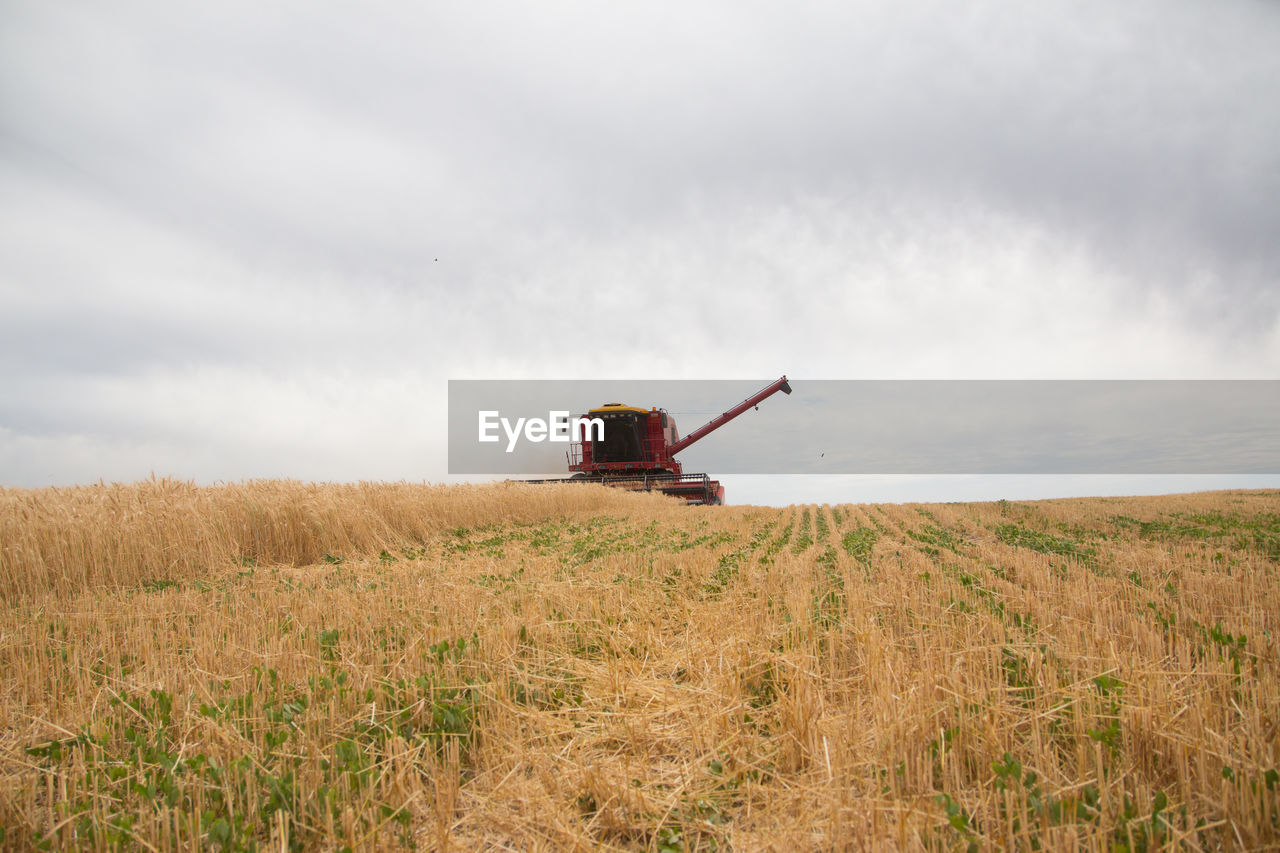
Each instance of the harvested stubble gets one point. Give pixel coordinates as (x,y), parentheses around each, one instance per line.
(312,667)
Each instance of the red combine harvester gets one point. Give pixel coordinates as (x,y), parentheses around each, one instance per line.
(639,446)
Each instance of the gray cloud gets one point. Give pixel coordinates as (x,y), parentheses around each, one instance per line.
(241,209)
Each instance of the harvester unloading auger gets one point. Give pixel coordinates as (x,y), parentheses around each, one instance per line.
(638,449)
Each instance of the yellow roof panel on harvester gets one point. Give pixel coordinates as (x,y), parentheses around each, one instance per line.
(618,407)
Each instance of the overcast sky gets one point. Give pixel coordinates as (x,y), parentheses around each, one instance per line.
(255,240)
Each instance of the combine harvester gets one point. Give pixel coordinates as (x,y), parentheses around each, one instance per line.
(639,446)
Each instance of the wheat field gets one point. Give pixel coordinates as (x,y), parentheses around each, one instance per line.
(283,666)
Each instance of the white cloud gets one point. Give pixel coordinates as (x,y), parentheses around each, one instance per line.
(237,242)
